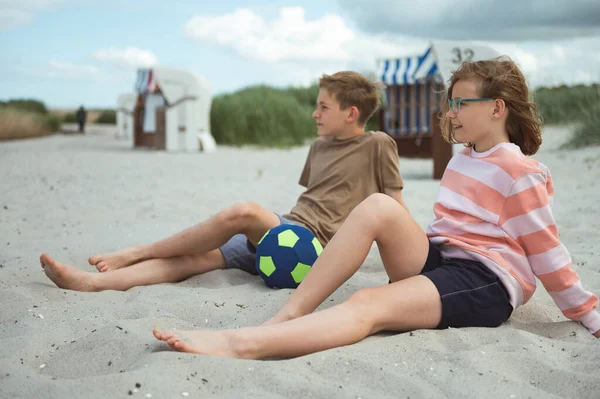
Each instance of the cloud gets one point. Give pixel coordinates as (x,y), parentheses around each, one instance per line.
(292,38)
(14,13)
(128,57)
(477,19)
(559,62)
(296,50)
(300,50)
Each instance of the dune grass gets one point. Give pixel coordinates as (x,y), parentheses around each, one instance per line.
(276,117)
(267,116)
(19,124)
(579,105)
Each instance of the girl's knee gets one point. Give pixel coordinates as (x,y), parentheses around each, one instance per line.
(376,199)
(362,300)
(361,297)
(361,304)
(381,204)
(379,208)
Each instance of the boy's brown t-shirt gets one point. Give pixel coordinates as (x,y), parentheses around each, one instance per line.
(340,174)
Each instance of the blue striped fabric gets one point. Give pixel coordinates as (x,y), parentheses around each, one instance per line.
(407,70)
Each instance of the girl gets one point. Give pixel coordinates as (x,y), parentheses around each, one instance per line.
(493,234)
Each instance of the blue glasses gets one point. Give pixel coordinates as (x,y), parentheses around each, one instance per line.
(454,103)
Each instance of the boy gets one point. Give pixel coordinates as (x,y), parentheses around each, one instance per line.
(344,166)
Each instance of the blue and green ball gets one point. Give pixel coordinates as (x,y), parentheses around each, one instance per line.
(285,254)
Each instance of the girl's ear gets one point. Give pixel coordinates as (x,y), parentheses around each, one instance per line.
(499,108)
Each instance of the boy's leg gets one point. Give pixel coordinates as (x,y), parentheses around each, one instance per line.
(245,218)
(403,247)
(153,271)
(413,303)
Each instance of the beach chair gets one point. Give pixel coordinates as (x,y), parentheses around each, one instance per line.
(415,93)
(414,96)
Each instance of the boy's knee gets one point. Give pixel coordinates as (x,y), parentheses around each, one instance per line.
(242,211)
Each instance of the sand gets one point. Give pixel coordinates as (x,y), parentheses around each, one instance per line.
(74,196)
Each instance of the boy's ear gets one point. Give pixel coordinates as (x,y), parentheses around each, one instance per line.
(353,115)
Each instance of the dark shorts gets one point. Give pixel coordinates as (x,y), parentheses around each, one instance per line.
(239,253)
(472,295)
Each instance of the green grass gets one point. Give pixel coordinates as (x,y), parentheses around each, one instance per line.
(273,117)
(267,116)
(262,116)
(29,105)
(579,105)
(108,116)
(566,104)
(587,132)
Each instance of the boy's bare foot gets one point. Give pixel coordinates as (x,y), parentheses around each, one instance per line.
(116,260)
(68,277)
(203,342)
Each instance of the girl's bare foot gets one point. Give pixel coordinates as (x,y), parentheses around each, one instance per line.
(69,277)
(203,342)
(116,260)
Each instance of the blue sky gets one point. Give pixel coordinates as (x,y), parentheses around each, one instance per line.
(68,52)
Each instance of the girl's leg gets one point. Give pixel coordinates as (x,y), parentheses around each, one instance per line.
(402,244)
(244,218)
(405,305)
(153,271)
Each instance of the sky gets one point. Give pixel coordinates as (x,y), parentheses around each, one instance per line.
(72,52)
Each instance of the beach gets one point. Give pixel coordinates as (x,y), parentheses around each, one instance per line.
(74,196)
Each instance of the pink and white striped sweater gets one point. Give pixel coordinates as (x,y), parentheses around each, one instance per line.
(494,207)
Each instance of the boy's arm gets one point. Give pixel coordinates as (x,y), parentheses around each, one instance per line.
(527,218)
(305,175)
(390,181)
(396,194)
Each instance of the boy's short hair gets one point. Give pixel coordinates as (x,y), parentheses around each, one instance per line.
(353,89)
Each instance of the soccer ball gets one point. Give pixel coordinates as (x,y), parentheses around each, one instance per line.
(285,254)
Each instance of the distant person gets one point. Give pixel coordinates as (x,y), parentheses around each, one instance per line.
(81,116)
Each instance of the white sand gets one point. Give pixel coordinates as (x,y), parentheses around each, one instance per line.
(75,196)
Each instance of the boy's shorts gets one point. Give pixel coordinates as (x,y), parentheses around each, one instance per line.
(472,295)
(239,253)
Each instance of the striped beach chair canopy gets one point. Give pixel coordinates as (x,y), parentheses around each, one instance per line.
(407,70)
(413,92)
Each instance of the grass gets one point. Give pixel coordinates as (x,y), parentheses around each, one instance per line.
(102,116)
(273,117)
(587,132)
(267,116)
(20,124)
(262,116)
(572,104)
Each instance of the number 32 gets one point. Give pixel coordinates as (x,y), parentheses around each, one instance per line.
(460,56)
